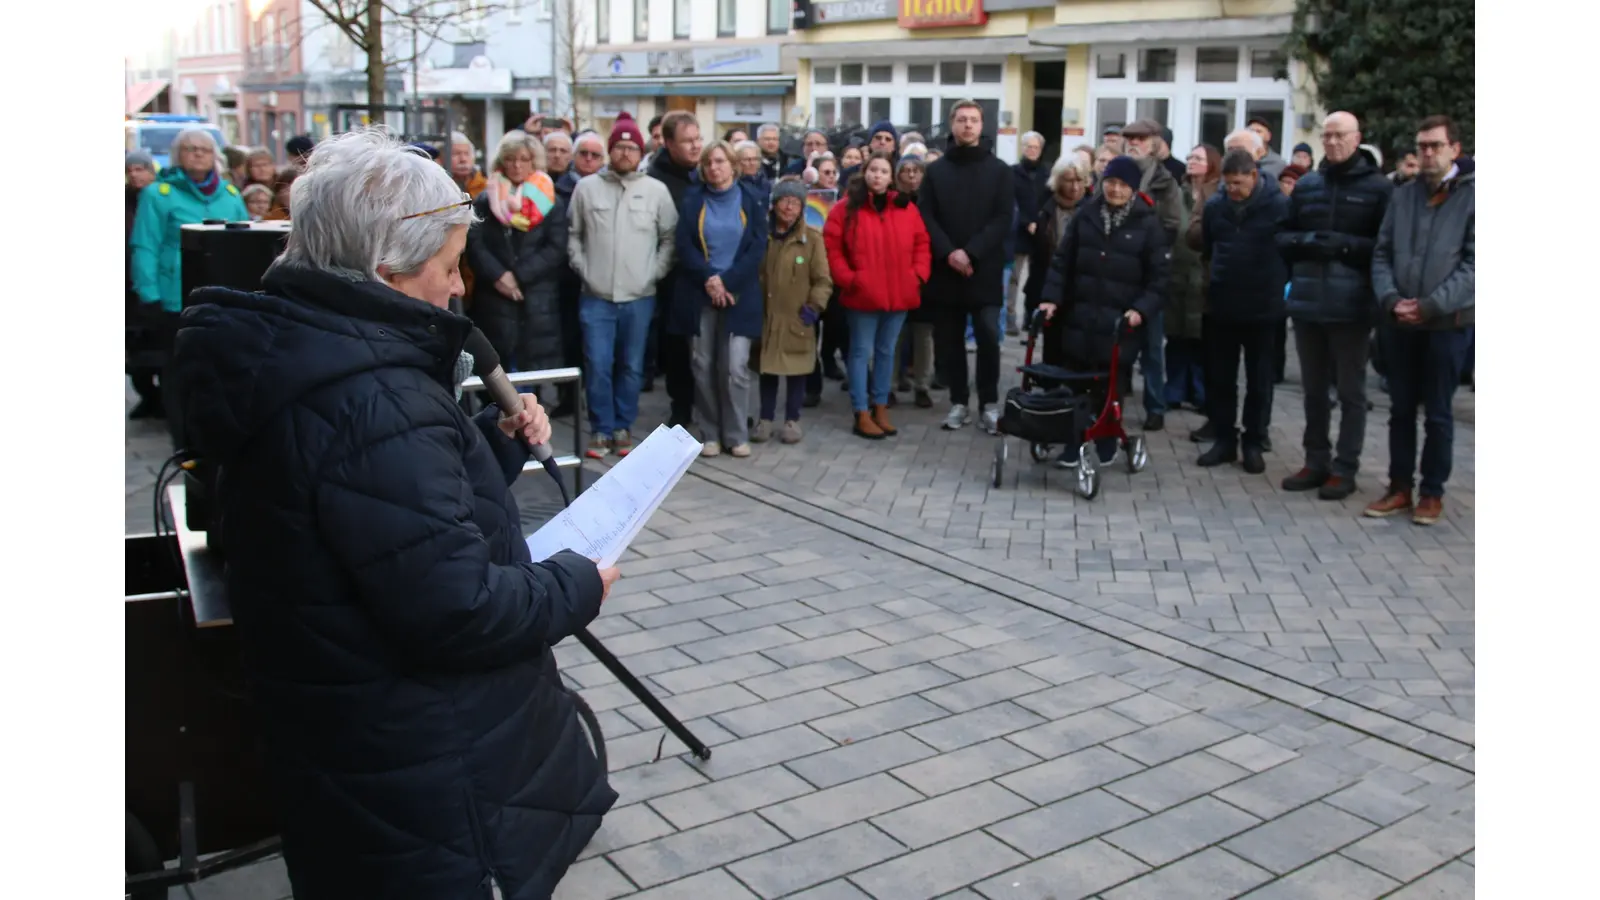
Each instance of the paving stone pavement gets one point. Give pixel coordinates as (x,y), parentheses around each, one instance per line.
(919,686)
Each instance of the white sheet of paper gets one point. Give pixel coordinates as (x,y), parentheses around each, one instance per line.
(605,519)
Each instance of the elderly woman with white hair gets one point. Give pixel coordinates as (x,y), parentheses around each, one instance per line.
(396,634)
(517,250)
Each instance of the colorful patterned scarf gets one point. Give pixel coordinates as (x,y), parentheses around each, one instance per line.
(522,206)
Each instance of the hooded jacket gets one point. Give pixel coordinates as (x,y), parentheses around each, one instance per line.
(395,634)
(165,206)
(620,232)
(1334,215)
(1426,250)
(968,202)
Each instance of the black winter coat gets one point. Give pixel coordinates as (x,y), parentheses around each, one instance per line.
(1031,192)
(1041,246)
(396,636)
(1334,216)
(1096,277)
(968,202)
(537,259)
(1247,272)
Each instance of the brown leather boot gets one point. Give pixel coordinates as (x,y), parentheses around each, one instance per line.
(867,428)
(880,418)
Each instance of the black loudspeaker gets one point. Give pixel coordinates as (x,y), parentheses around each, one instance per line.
(216,254)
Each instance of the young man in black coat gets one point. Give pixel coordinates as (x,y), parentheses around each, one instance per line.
(674,165)
(1238,233)
(967,202)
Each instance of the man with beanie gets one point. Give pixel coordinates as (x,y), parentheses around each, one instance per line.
(620,244)
(1302,157)
(968,205)
(1328,239)
(1159,185)
(1292,173)
(1271,163)
(675,165)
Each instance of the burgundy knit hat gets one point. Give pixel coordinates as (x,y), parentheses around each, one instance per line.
(626,129)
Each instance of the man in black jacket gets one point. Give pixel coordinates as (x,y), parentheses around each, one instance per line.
(674,165)
(1238,233)
(1030,176)
(967,202)
(1334,216)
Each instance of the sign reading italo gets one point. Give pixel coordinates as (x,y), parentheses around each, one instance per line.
(941,13)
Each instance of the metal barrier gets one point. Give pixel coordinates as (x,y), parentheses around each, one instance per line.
(571,374)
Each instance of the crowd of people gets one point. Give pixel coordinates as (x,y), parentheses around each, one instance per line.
(661,254)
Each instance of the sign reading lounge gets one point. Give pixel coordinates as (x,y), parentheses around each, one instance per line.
(941,13)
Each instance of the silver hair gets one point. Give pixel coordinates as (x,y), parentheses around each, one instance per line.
(770,126)
(589,136)
(457,137)
(1062,166)
(516,140)
(745,145)
(352,202)
(1031,135)
(191,134)
(1255,139)
(557,136)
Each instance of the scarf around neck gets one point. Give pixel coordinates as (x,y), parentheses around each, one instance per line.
(523,206)
(207,185)
(1112,219)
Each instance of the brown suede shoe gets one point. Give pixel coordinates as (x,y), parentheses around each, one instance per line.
(867,428)
(880,418)
(1396,499)
(1429,510)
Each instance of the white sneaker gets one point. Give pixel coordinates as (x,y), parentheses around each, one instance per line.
(710,448)
(957,417)
(990,418)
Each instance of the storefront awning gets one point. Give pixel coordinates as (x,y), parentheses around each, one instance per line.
(733,86)
(140,93)
(953,48)
(1163,30)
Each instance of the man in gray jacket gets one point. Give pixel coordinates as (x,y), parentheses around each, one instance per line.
(1163,190)
(620,243)
(1422,272)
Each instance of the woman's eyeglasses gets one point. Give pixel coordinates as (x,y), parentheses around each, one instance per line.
(466,200)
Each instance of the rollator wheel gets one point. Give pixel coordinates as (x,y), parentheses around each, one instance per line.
(999,463)
(1039,452)
(1088,471)
(1138,454)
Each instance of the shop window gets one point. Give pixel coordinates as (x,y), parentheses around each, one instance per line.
(921,109)
(1268,64)
(1158,65)
(850,111)
(824,117)
(779,14)
(641,20)
(1111,65)
(1216,121)
(880,74)
(1109,111)
(1216,64)
(919,74)
(602,21)
(1152,108)
(850,73)
(988,73)
(1271,112)
(991,117)
(952,73)
(877,109)
(824,75)
(727,17)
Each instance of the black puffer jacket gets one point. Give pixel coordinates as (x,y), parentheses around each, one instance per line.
(537,259)
(1334,216)
(1041,247)
(968,201)
(396,636)
(1096,277)
(1240,239)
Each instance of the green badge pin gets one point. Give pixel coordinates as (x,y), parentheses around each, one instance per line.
(799,260)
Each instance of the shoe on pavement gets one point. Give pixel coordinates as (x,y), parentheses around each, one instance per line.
(1155,422)
(791,433)
(1068,458)
(621,442)
(956,417)
(924,400)
(880,418)
(867,428)
(1266,445)
(991,418)
(740,451)
(711,448)
(1396,499)
(1218,454)
(1253,463)
(1429,510)
(1204,434)
(762,432)
(1307,479)
(599,446)
(1337,487)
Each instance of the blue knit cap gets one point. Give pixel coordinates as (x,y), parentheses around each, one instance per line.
(883,126)
(1124,169)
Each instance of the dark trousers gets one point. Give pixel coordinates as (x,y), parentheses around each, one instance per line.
(1424,371)
(794,394)
(1333,355)
(1186,366)
(1225,342)
(1280,352)
(950,352)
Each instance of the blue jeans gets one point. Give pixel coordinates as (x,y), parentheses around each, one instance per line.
(872,337)
(1153,363)
(1424,371)
(614,338)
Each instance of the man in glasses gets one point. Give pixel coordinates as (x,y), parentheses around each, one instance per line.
(1423,271)
(1334,215)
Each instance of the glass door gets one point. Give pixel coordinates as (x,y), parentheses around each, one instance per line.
(1217,118)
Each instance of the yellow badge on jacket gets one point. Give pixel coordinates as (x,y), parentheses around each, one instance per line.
(233,190)
(165,189)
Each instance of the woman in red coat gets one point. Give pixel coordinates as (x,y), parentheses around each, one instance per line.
(878,254)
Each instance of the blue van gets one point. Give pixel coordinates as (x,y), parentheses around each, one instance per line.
(153,133)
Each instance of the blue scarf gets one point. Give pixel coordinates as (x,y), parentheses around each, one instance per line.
(209,185)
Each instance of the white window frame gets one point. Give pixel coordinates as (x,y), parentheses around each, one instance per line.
(900,89)
(1185,92)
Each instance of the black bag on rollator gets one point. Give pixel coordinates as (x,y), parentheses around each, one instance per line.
(1055,416)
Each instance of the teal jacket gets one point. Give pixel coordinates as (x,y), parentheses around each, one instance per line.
(164,208)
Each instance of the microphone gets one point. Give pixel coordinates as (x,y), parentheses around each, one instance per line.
(486,365)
